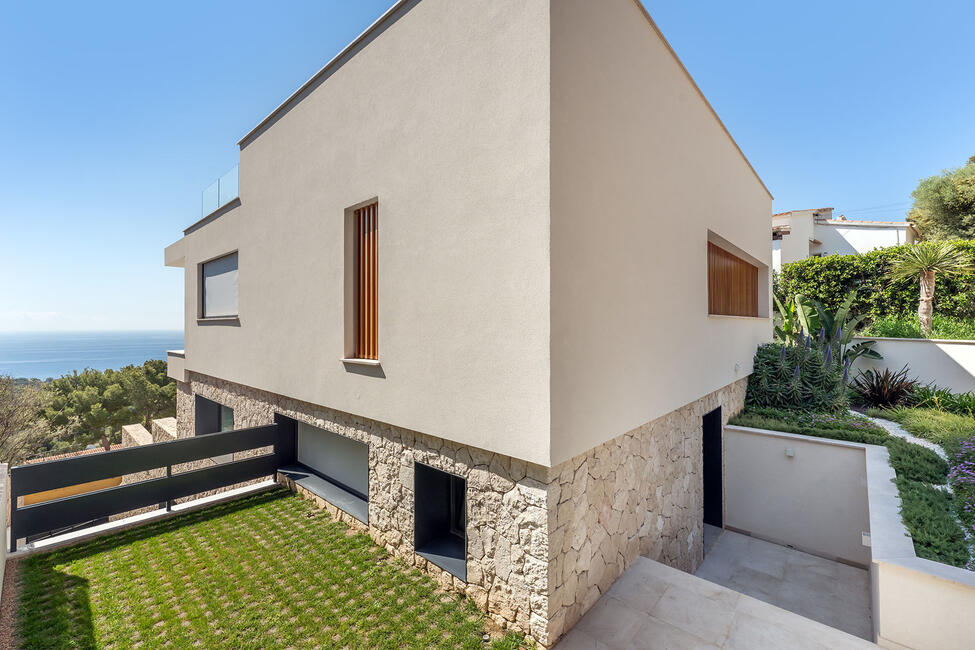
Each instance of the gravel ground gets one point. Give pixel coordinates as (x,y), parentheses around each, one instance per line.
(8,605)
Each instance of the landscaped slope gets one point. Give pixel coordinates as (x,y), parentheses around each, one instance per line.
(927,512)
(264,572)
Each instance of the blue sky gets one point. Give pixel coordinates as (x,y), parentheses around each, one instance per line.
(115,115)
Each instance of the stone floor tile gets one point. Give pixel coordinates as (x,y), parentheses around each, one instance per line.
(708,618)
(579,640)
(655,634)
(611,621)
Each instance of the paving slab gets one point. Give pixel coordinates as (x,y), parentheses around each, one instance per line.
(655,606)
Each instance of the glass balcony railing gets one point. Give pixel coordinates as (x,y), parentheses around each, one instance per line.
(222,191)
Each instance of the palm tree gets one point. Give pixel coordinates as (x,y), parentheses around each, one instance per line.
(925,259)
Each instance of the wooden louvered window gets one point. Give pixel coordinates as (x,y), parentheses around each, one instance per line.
(366,265)
(732,284)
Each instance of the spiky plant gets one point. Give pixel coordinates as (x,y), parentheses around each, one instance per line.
(924,260)
(805,376)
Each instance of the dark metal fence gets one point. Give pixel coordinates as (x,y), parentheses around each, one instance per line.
(69,511)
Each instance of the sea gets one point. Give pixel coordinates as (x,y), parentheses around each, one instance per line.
(45,355)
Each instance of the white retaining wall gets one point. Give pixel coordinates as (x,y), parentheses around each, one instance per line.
(917,603)
(814,500)
(949,364)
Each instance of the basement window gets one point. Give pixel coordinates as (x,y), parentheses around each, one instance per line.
(334,467)
(212,417)
(440,519)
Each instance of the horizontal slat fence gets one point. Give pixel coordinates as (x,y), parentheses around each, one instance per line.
(81,508)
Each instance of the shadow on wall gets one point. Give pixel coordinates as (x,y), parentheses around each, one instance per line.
(949,364)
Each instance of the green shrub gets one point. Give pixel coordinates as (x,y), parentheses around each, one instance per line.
(909,327)
(829,279)
(942,399)
(910,461)
(916,463)
(803,376)
(928,514)
(882,389)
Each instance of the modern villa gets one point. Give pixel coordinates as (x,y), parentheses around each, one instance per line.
(504,269)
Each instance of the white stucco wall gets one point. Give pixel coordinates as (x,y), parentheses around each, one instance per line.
(795,245)
(949,364)
(642,169)
(917,603)
(814,500)
(847,240)
(444,117)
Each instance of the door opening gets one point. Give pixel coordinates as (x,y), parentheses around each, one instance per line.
(712,469)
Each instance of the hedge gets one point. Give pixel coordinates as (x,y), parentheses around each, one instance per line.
(828,279)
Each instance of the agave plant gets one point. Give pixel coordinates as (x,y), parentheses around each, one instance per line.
(925,260)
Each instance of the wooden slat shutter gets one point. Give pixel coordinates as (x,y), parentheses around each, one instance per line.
(732,284)
(366,289)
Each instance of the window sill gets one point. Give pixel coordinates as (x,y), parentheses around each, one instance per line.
(765,318)
(361,362)
(218,319)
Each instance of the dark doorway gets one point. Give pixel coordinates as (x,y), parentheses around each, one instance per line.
(712,468)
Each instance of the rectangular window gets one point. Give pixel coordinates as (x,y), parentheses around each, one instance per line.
(732,284)
(439,518)
(226,418)
(341,460)
(212,417)
(365,269)
(219,287)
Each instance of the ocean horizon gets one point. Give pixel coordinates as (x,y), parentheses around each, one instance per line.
(44,355)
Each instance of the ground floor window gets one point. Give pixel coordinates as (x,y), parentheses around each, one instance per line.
(212,417)
(440,518)
(339,459)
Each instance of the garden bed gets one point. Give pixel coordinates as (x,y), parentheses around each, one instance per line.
(927,511)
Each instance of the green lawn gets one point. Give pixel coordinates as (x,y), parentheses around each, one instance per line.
(267,571)
(946,429)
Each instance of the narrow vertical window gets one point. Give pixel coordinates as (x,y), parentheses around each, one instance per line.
(366,282)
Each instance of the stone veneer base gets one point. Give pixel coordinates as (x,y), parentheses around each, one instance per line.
(542,543)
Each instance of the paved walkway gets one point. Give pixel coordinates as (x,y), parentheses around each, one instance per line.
(826,591)
(895,429)
(655,606)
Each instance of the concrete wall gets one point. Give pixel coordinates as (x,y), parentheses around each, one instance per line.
(642,170)
(850,239)
(949,364)
(814,500)
(444,116)
(917,603)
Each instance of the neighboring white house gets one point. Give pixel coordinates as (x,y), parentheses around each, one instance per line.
(799,234)
(471,260)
